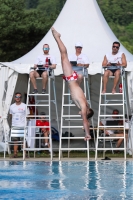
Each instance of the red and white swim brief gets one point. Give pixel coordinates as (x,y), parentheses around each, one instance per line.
(74,76)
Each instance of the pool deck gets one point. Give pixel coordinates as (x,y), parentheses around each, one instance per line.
(63,159)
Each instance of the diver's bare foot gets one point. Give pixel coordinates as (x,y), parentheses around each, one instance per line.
(55,33)
(87,137)
(104,91)
(113,91)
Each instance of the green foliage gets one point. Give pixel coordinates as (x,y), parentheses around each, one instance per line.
(21,28)
(119,12)
(31,4)
(50,9)
(24,23)
(119,15)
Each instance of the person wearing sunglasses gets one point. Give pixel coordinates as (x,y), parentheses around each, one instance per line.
(113,61)
(17,113)
(76,92)
(42,63)
(79,59)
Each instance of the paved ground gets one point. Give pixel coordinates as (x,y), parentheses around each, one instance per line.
(65,159)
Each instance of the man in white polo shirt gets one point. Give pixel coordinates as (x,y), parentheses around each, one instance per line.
(81,59)
(18,114)
(46,61)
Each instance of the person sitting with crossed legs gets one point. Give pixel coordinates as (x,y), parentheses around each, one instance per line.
(76,92)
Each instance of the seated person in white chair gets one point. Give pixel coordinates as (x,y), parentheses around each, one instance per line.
(114,133)
(17,113)
(113,61)
(42,61)
(81,59)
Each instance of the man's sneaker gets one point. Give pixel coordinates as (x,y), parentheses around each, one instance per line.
(35,91)
(43,91)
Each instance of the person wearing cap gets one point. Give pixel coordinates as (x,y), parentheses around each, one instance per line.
(81,59)
(45,130)
(18,114)
(41,60)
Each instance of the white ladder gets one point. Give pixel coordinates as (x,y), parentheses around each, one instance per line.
(105,100)
(42,101)
(70,118)
(130,122)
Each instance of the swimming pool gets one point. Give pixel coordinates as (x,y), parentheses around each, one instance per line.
(66,180)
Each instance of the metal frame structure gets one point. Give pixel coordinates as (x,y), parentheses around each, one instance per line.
(130,122)
(43,104)
(15,132)
(107,101)
(71,118)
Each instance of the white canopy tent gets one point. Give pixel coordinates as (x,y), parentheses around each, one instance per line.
(80,20)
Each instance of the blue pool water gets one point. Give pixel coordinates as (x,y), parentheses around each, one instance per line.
(107,180)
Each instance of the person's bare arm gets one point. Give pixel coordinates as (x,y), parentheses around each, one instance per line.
(105,62)
(10,119)
(83,65)
(35,66)
(100,123)
(86,124)
(124,61)
(86,65)
(52,66)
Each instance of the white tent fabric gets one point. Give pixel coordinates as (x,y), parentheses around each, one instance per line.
(8,79)
(130,89)
(83,21)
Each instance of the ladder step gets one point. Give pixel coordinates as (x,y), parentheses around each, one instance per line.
(38,94)
(111,116)
(110,148)
(69,105)
(111,126)
(110,137)
(35,149)
(71,116)
(112,104)
(46,116)
(37,105)
(36,137)
(72,137)
(72,126)
(112,94)
(78,149)
(38,126)
(73,119)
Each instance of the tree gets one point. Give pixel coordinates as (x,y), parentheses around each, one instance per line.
(119,12)
(20,29)
(24,23)
(31,4)
(119,15)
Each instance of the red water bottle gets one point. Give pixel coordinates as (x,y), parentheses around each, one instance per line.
(120,88)
(46,62)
